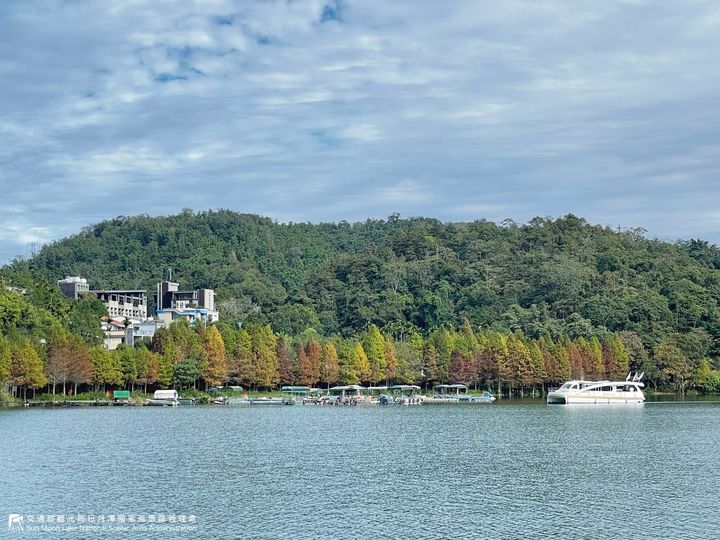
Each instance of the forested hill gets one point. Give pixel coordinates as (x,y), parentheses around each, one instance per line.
(560,276)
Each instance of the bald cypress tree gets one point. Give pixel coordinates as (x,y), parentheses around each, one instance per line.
(27,368)
(329,365)
(264,346)
(214,368)
(373,345)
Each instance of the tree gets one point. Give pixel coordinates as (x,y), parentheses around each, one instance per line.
(313,353)
(303,366)
(287,365)
(148,363)
(166,367)
(244,362)
(5,361)
(348,364)
(84,320)
(81,365)
(361,364)
(27,369)
(537,365)
(186,373)
(266,362)
(518,368)
(58,357)
(373,345)
(128,364)
(443,342)
(214,368)
(329,365)
(616,358)
(430,363)
(462,369)
(390,360)
(672,364)
(106,368)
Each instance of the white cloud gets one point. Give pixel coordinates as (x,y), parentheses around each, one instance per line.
(456,111)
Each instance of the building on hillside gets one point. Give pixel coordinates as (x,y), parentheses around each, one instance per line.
(172,304)
(128,304)
(74,287)
(127,310)
(114,334)
(139,330)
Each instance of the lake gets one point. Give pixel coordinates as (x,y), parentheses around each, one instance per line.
(507,470)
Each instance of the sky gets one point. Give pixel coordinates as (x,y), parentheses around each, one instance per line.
(329,110)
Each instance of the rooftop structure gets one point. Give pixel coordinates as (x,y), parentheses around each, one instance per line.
(73,286)
(195,306)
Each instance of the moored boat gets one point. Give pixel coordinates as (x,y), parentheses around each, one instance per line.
(580,391)
(164,398)
(485,397)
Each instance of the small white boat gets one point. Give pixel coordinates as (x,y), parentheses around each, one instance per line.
(164,398)
(579,391)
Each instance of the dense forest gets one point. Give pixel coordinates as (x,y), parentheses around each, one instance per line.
(450,301)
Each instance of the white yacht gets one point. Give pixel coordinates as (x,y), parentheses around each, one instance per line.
(627,391)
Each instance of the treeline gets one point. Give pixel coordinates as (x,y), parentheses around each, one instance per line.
(546,284)
(256,357)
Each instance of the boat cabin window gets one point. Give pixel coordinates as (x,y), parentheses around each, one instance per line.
(567,386)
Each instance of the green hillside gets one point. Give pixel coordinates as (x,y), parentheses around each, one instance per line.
(555,276)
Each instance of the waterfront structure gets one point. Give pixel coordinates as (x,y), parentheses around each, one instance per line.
(73,286)
(173,304)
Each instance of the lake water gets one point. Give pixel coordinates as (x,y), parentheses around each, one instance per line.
(505,470)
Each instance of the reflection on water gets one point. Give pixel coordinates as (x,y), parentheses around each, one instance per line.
(504,470)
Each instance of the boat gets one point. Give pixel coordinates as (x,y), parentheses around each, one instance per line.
(402,394)
(580,391)
(485,397)
(458,393)
(164,398)
(352,394)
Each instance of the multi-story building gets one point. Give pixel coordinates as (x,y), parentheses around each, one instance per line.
(74,287)
(195,306)
(128,304)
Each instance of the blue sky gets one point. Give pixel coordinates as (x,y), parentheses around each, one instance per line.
(320,110)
